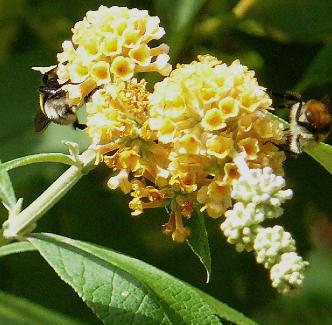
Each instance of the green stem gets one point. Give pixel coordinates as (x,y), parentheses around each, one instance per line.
(18,224)
(39,158)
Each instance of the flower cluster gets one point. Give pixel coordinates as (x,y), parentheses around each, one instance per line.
(176,147)
(208,113)
(259,194)
(203,139)
(110,44)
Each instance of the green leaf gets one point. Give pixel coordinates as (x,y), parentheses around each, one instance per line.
(7,194)
(180,18)
(226,312)
(301,20)
(320,70)
(199,243)
(123,290)
(14,248)
(186,11)
(322,153)
(18,311)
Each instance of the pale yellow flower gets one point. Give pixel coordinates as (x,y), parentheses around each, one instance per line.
(110,44)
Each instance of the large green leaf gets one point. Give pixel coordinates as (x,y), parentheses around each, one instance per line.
(18,311)
(322,153)
(123,290)
(301,20)
(199,243)
(320,70)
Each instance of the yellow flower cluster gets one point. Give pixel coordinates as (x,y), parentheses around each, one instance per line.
(107,45)
(208,113)
(176,146)
(117,123)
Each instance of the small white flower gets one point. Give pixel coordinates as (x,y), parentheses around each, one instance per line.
(288,274)
(270,211)
(261,186)
(120,180)
(271,243)
(241,225)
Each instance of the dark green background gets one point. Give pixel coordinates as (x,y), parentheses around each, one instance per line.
(287,43)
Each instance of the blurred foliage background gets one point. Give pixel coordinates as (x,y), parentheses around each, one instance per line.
(289,45)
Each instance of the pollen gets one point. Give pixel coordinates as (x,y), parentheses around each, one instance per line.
(131,38)
(123,68)
(250,147)
(141,54)
(229,107)
(91,45)
(167,131)
(231,173)
(213,120)
(100,72)
(219,146)
(111,46)
(78,71)
(188,144)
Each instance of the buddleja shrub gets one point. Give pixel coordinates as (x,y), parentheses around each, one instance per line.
(202,144)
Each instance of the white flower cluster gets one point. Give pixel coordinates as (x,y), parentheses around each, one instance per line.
(264,189)
(271,243)
(258,194)
(241,226)
(288,274)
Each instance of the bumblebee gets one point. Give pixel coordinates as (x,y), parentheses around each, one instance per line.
(309,122)
(54,105)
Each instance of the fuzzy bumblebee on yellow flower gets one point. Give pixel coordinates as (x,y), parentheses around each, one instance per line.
(202,140)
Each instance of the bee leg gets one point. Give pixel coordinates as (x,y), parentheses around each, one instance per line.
(79,126)
(298,113)
(286,147)
(280,146)
(295,147)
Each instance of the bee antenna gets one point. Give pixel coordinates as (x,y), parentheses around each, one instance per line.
(287,95)
(325,100)
(293,95)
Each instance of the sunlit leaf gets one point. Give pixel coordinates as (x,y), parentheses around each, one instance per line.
(123,290)
(322,153)
(199,243)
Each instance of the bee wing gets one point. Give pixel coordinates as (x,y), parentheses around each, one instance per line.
(41,121)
